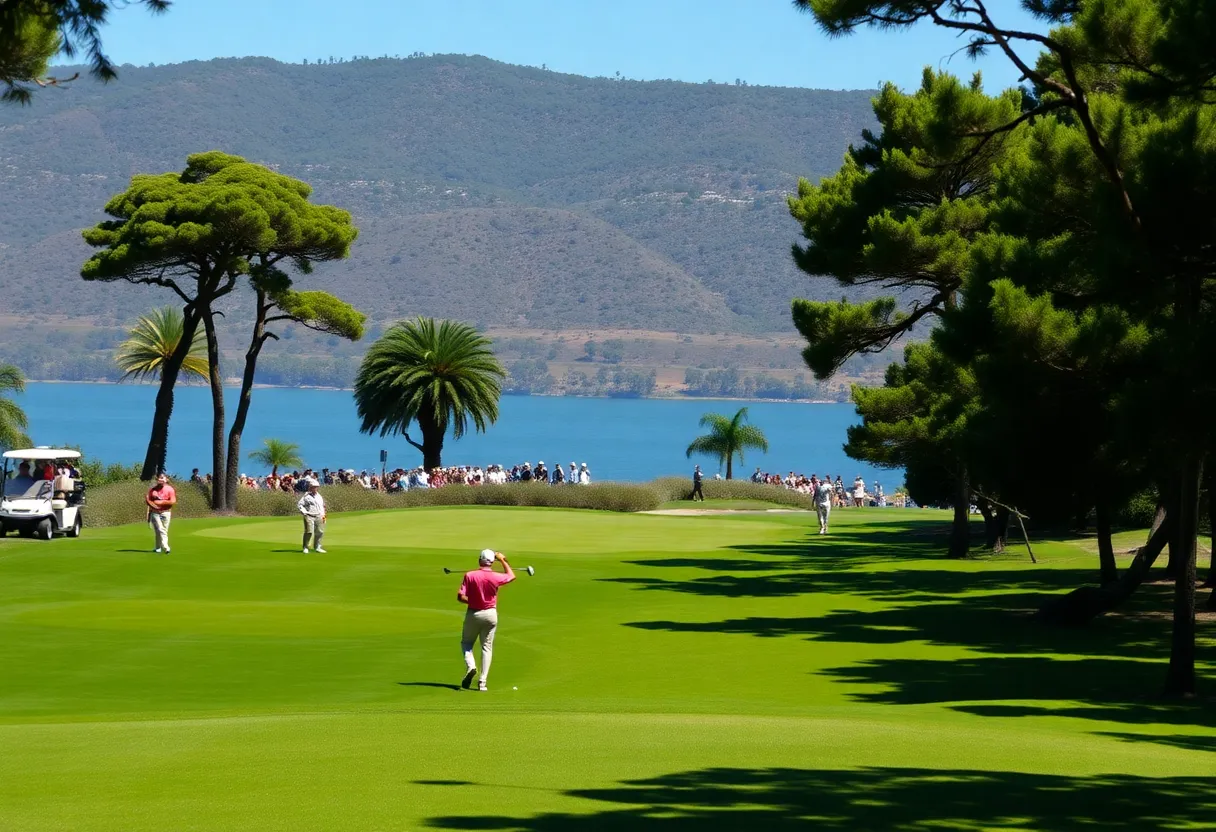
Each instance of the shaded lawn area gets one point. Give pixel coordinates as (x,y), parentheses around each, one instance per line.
(877,798)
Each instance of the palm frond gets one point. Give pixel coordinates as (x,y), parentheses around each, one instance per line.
(152,341)
(13,421)
(728,437)
(444,370)
(275,453)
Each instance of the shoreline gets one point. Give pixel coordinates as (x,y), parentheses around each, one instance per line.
(236,385)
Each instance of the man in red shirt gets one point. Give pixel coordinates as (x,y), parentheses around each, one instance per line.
(161,499)
(479,590)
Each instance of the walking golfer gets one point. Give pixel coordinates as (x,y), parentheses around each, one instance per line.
(161,499)
(312,509)
(823,502)
(479,590)
(697,477)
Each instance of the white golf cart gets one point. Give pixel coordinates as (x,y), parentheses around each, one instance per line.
(33,505)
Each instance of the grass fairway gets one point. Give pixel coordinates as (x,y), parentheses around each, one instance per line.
(673,673)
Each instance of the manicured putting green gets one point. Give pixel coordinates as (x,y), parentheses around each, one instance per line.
(672,673)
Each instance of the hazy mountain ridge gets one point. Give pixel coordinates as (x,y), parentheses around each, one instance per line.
(508,195)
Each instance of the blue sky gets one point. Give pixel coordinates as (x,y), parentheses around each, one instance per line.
(759,41)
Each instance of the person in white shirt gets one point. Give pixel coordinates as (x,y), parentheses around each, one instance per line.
(584,476)
(573,478)
(312,509)
(859,491)
(823,502)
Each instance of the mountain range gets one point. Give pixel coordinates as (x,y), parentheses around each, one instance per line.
(508,196)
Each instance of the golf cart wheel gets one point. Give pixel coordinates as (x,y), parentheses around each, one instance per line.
(45,529)
(3,529)
(76,527)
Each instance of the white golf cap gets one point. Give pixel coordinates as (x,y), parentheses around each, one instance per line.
(486,556)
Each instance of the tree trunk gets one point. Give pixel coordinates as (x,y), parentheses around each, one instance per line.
(1082,605)
(232,472)
(960,530)
(432,439)
(996,525)
(158,443)
(1108,569)
(1180,680)
(729,461)
(219,494)
(1210,479)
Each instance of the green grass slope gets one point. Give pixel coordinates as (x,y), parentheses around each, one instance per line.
(658,673)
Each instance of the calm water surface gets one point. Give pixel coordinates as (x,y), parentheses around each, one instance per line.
(619,439)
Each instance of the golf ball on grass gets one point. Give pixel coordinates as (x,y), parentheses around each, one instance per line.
(515,688)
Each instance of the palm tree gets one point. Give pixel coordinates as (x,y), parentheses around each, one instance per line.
(727,437)
(276,452)
(148,353)
(152,341)
(436,373)
(12,418)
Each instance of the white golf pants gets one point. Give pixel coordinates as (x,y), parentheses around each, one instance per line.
(159,520)
(823,510)
(479,625)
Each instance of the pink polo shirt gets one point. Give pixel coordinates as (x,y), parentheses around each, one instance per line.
(481,588)
(162,493)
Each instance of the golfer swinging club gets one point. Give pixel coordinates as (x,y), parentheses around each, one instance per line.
(479,590)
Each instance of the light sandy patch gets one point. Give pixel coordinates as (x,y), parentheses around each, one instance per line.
(693,512)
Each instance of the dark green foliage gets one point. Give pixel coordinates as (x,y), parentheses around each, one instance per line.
(34,31)
(728,437)
(1085,310)
(1138,512)
(902,214)
(94,472)
(13,421)
(441,374)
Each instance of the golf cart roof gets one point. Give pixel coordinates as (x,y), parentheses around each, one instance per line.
(43,453)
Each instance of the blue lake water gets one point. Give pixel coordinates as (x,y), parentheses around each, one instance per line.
(619,439)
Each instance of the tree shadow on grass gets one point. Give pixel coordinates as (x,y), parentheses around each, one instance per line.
(874,798)
(908,585)
(1189,742)
(853,547)
(1144,711)
(998,623)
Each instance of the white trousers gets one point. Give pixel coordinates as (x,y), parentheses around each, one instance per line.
(823,510)
(159,521)
(479,625)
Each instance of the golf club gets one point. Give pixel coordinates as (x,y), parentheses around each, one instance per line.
(527,569)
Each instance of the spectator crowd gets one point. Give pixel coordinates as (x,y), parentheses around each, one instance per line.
(843,494)
(403,479)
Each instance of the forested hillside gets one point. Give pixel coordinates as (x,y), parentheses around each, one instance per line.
(509,196)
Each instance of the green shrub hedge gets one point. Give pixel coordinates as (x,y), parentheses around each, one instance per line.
(118,503)
(680,488)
